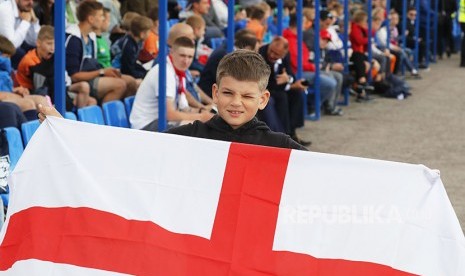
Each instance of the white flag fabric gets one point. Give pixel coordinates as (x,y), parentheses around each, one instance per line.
(96,200)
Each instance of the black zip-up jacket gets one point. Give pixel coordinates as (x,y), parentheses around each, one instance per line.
(253,132)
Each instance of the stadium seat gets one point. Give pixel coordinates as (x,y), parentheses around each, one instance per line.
(171,22)
(91,114)
(216,42)
(128,102)
(70,116)
(114,114)
(15,145)
(28,129)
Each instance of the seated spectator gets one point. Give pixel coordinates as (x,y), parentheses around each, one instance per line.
(244,39)
(140,28)
(257,23)
(18,95)
(11,115)
(151,43)
(20,25)
(144,113)
(103,48)
(114,29)
(81,57)
(39,62)
(44,11)
(202,8)
(284,88)
(330,82)
(202,51)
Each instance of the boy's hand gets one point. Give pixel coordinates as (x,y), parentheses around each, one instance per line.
(45,111)
(299,85)
(337,67)
(282,78)
(21,91)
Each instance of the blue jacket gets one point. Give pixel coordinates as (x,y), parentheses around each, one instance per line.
(75,59)
(6,83)
(129,56)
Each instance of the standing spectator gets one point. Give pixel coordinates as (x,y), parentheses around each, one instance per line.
(19,23)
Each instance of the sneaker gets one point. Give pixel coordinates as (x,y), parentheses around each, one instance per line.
(334,112)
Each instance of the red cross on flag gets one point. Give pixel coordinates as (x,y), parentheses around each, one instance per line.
(95,200)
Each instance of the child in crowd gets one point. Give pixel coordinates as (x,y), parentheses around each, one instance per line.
(140,28)
(18,95)
(103,48)
(39,61)
(257,22)
(239,92)
(151,43)
(202,51)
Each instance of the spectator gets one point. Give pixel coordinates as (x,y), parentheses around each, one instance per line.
(202,51)
(114,28)
(144,113)
(284,88)
(244,39)
(18,95)
(103,48)
(81,57)
(257,23)
(411,38)
(151,43)
(202,8)
(44,11)
(140,28)
(11,115)
(330,81)
(39,62)
(20,25)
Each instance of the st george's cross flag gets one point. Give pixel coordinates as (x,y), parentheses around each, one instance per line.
(97,200)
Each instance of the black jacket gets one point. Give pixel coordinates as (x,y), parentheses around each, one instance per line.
(273,87)
(254,132)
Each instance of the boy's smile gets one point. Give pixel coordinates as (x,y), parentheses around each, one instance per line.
(238,101)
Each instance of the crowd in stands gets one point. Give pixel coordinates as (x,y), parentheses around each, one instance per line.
(112,53)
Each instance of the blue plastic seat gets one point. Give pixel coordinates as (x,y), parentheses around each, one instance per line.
(15,145)
(28,129)
(114,114)
(216,42)
(71,116)
(91,114)
(128,102)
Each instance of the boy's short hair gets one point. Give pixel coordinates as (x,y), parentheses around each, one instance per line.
(257,13)
(183,41)
(6,46)
(46,32)
(140,24)
(244,65)
(195,21)
(245,38)
(87,8)
(127,18)
(153,14)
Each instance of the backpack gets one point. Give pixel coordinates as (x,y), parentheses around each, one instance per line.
(393,87)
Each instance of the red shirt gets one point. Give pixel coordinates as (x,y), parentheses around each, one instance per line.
(359,38)
(292,39)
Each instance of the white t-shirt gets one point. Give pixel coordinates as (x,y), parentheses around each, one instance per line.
(145,107)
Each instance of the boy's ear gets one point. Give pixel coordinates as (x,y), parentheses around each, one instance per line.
(215,93)
(264,98)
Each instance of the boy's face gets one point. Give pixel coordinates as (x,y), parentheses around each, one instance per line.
(238,101)
(45,48)
(96,20)
(202,6)
(199,32)
(182,57)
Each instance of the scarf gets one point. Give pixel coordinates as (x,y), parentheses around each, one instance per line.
(181,76)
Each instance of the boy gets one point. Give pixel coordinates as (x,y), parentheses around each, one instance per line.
(151,43)
(103,48)
(202,51)
(144,114)
(44,54)
(139,30)
(240,91)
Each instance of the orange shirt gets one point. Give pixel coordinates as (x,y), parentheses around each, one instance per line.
(23,75)
(257,28)
(151,44)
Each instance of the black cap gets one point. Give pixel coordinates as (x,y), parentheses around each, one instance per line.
(324,14)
